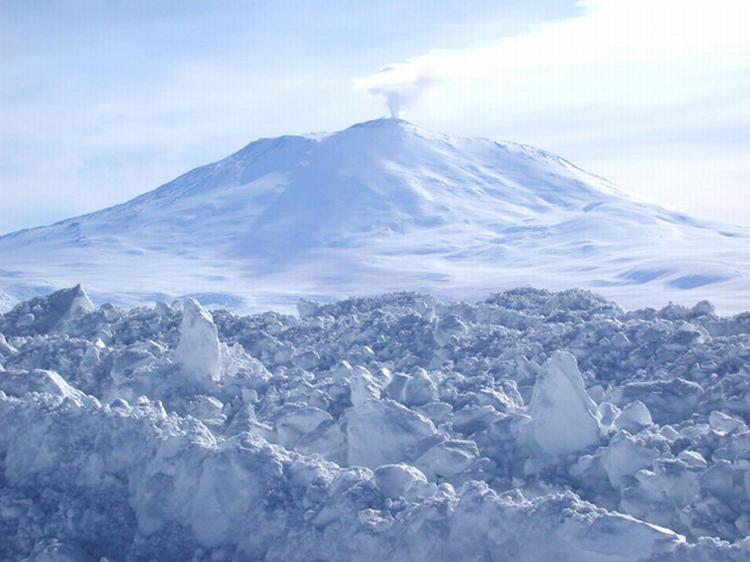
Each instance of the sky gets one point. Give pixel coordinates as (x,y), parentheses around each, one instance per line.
(102,101)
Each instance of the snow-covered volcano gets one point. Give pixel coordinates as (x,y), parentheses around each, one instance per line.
(382,205)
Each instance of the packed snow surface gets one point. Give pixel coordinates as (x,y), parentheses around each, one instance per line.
(381,206)
(530,426)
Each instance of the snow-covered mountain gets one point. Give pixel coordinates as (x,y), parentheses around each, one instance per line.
(382,205)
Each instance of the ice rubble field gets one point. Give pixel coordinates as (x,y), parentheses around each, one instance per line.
(530,426)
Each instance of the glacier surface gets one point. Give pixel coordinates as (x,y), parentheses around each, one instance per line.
(529,426)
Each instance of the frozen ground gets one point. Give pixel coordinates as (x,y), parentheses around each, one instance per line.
(531,426)
(377,207)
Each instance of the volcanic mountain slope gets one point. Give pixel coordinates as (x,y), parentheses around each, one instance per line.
(383,205)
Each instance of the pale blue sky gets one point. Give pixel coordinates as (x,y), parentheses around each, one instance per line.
(101,101)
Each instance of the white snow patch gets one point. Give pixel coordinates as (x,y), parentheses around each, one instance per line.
(564,418)
(198,351)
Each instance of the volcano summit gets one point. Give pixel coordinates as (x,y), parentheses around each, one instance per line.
(383,205)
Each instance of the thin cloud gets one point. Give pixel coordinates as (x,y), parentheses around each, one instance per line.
(631,54)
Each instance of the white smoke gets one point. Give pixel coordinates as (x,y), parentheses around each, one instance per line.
(401,85)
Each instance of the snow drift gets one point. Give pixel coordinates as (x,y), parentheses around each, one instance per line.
(381,206)
(529,426)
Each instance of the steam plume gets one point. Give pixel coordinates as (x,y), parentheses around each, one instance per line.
(401,85)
